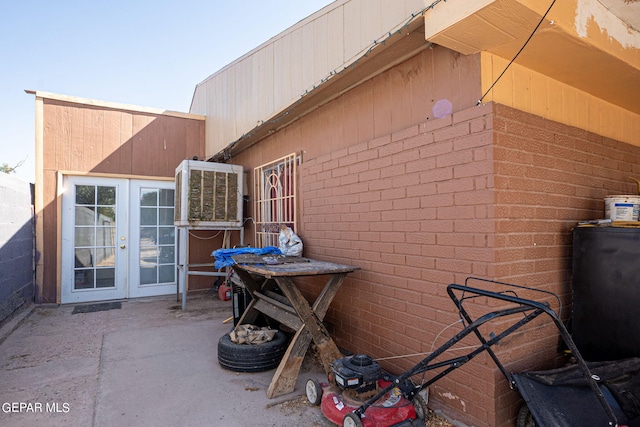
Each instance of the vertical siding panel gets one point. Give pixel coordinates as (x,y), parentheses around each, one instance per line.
(392,15)
(91,150)
(77,138)
(263,78)
(539,102)
(62,133)
(568,106)
(365,98)
(353,44)
(282,86)
(504,88)
(401,96)
(382,108)
(296,79)
(582,107)
(442,76)
(522,89)
(371,21)
(554,106)
(141,156)
(308,57)
(246,101)
(421,89)
(123,158)
(335,37)
(111,144)
(320,48)
(616,124)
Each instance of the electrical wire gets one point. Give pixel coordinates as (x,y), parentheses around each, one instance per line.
(514,58)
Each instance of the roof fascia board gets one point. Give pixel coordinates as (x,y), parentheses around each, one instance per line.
(113,105)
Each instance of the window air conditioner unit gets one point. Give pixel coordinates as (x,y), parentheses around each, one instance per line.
(208,195)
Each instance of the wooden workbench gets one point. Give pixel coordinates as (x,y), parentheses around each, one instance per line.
(291,308)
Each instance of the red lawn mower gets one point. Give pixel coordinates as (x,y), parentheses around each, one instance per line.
(358,384)
(360,394)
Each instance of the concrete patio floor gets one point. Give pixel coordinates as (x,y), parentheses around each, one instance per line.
(145,364)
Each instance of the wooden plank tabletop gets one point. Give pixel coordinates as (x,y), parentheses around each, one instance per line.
(309,267)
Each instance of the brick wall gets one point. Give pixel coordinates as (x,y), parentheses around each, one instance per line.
(548,176)
(414,210)
(16,246)
(490,192)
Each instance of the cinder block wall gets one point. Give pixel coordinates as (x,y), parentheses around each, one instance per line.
(16,245)
(490,192)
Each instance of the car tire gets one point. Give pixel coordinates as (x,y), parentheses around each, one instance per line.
(251,357)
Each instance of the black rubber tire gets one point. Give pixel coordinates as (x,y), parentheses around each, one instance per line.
(420,406)
(525,417)
(250,357)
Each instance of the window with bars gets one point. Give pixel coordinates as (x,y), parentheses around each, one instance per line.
(275,199)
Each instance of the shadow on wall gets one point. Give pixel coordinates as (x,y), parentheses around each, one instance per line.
(17,285)
(111,141)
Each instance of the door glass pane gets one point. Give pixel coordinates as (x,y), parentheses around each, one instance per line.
(149,216)
(85,236)
(85,195)
(166,235)
(94,237)
(85,215)
(105,277)
(84,257)
(148,275)
(83,279)
(106,196)
(106,215)
(148,197)
(105,257)
(166,197)
(166,216)
(167,273)
(157,237)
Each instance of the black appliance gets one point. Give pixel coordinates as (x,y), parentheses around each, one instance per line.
(606,292)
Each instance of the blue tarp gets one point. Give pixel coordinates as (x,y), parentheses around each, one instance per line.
(223,256)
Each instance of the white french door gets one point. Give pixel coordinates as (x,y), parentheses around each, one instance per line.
(152,259)
(118,239)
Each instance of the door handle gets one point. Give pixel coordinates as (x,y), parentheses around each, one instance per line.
(123,246)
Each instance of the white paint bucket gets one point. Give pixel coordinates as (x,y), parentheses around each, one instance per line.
(622,208)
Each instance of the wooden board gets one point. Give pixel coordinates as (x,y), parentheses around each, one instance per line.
(310,268)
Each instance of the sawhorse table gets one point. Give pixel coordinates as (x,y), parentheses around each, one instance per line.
(292,309)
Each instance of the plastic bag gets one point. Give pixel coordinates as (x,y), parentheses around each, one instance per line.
(290,243)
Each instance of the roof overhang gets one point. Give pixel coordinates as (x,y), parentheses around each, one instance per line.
(592,45)
(399,46)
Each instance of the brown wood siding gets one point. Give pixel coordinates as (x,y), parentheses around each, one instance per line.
(91,139)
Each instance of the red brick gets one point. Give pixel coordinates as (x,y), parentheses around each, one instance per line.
(434,124)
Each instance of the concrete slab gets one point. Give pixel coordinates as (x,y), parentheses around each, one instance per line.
(146,364)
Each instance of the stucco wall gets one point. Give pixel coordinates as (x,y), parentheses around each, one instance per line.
(16,245)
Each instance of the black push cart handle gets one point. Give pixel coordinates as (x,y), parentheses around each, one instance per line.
(529,309)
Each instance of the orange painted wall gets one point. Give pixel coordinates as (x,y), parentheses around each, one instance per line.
(543,96)
(85,138)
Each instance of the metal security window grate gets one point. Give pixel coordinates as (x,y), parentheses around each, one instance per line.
(275,194)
